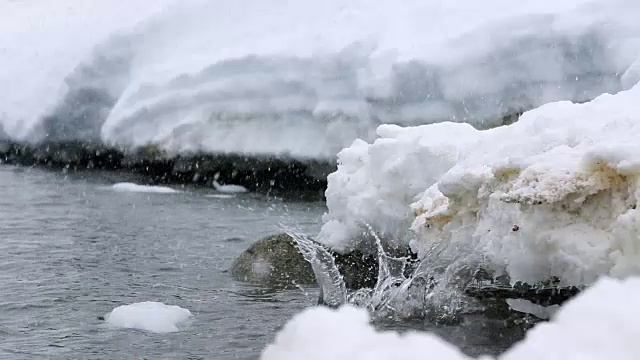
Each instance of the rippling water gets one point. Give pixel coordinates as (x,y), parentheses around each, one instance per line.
(71,250)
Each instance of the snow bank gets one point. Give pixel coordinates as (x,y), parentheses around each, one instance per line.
(131,187)
(375,184)
(150,316)
(43,41)
(552,195)
(258,87)
(601,323)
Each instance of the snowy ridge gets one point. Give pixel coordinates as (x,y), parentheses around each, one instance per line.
(602,323)
(259,88)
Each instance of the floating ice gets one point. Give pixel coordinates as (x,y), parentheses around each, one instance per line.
(220,196)
(132,187)
(150,316)
(602,323)
(229,188)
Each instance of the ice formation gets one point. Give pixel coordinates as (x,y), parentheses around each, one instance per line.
(601,323)
(150,316)
(131,187)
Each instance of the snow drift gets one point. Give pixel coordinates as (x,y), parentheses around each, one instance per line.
(233,77)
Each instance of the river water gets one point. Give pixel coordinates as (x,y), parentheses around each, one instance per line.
(72,249)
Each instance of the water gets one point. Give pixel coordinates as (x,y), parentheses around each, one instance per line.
(72,250)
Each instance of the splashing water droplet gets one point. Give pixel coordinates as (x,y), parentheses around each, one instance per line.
(332,286)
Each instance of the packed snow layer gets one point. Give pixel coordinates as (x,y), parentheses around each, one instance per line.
(376,183)
(150,316)
(234,77)
(43,41)
(601,323)
(554,194)
(131,187)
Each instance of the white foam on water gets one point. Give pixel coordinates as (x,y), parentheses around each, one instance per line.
(150,316)
(601,323)
(132,187)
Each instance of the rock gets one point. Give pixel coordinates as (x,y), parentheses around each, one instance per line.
(275,260)
(358,269)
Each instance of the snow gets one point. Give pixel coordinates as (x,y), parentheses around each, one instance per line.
(220,196)
(321,333)
(375,184)
(229,188)
(150,316)
(601,323)
(257,87)
(132,187)
(43,41)
(552,195)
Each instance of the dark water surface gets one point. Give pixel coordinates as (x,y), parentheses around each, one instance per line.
(71,250)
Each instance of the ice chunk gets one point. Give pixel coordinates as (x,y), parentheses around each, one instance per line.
(150,316)
(131,187)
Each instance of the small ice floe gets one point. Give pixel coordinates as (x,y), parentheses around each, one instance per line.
(150,316)
(131,187)
(220,196)
(228,188)
(527,307)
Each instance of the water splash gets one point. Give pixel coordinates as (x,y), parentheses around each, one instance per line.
(332,285)
(432,288)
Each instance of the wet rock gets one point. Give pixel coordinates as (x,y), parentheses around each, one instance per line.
(359,270)
(273,261)
(276,260)
(319,170)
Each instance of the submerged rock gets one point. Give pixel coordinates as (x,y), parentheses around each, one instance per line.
(276,261)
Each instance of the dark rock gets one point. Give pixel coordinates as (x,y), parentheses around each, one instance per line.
(273,261)
(499,289)
(359,270)
(276,260)
(268,175)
